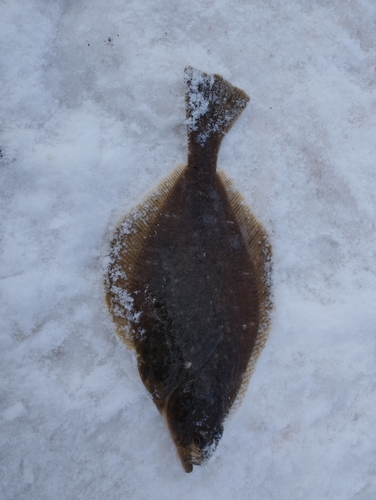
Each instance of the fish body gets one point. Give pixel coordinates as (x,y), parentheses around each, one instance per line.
(197,291)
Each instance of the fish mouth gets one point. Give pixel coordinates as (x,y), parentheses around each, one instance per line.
(187,466)
(189,458)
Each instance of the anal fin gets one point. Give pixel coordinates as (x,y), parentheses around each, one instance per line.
(126,247)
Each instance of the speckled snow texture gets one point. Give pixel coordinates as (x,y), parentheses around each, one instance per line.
(92,117)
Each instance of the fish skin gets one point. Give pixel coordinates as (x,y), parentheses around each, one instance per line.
(189,297)
(194,290)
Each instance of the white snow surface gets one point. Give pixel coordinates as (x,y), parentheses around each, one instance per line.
(92,117)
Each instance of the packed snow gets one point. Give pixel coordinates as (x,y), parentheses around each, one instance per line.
(92,118)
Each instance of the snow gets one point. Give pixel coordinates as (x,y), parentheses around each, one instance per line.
(198,103)
(92,118)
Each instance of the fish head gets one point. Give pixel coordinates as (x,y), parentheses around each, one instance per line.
(195,425)
(200,448)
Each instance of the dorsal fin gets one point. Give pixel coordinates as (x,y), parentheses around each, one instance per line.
(212,107)
(260,251)
(126,247)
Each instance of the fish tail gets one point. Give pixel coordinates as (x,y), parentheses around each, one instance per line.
(212,107)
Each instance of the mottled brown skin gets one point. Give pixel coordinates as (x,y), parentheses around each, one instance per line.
(195,288)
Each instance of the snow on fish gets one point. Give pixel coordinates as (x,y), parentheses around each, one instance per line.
(188,283)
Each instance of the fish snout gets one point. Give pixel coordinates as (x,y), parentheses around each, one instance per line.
(187,466)
(189,458)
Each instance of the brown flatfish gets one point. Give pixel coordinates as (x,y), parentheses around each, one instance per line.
(188,284)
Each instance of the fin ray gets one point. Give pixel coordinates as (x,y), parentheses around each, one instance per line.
(260,251)
(126,247)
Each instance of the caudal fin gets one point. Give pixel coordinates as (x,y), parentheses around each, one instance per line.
(212,106)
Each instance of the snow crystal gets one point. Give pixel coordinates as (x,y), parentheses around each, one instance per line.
(198,101)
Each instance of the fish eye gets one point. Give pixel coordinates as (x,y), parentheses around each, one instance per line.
(196,440)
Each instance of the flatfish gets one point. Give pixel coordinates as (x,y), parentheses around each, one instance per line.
(188,281)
